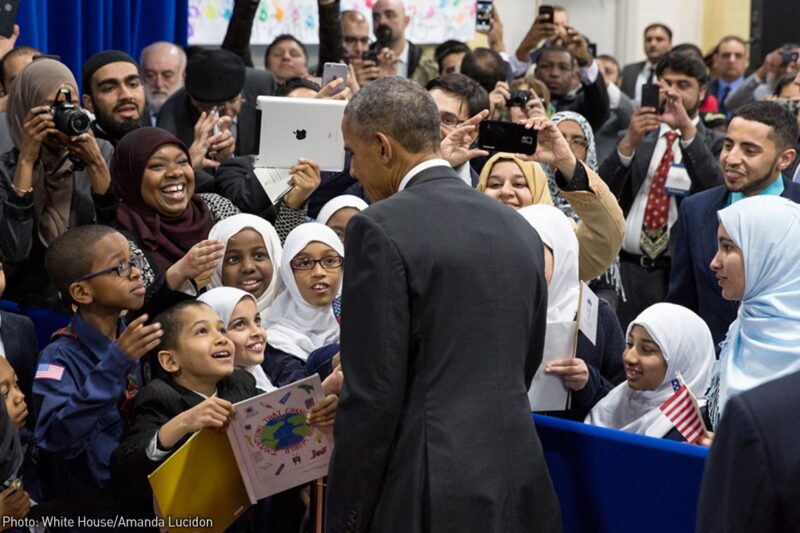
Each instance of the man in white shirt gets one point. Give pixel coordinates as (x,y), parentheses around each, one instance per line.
(662,158)
(657,44)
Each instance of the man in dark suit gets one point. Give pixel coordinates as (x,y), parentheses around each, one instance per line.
(750,480)
(556,69)
(445,301)
(759,145)
(661,159)
(731,60)
(657,44)
(218,79)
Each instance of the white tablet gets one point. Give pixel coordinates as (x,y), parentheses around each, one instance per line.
(291,128)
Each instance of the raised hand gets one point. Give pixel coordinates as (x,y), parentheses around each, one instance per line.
(198,264)
(455,147)
(138,339)
(306,177)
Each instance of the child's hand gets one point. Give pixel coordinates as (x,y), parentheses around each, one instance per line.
(198,264)
(138,339)
(573,372)
(333,383)
(214,413)
(324,412)
(15,503)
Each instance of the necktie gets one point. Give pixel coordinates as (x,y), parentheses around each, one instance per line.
(723,94)
(655,234)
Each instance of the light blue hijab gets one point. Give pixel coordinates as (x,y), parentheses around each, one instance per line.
(763,343)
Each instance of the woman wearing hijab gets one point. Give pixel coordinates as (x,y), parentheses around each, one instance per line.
(598,366)
(663,341)
(519,183)
(756,264)
(252,257)
(580,136)
(49,182)
(338,211)
(158,210)
(300,323)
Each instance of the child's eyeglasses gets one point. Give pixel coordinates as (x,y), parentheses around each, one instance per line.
(332,262)
(123,268)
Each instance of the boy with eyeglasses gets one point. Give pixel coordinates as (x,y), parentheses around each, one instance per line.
(90,371)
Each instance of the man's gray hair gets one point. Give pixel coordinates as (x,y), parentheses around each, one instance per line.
(399,108)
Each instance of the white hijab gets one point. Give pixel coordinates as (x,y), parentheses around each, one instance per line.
(293,325)
(763,343)
(224,300)
(688,348)
(227,228)
(340,202)
(556,231)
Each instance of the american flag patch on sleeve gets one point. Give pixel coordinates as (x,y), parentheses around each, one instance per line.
(48,371)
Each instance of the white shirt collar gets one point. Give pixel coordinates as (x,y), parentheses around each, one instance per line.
(665,128)
(425,165)
(403,57)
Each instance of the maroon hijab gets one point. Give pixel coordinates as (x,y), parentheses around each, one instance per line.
(167,238)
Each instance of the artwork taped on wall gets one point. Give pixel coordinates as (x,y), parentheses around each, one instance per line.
(432,21)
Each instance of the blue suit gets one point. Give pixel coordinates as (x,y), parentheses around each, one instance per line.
(692,283)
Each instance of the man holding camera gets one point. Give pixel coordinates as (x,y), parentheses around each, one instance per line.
(663,157)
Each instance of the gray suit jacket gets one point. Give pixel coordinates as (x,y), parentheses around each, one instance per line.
(629,75)
(443,321)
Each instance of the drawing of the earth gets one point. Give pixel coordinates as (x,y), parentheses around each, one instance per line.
(285,431)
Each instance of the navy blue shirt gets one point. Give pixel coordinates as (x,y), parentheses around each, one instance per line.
(79,422)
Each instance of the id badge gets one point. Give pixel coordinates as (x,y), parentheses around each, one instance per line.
(678,181)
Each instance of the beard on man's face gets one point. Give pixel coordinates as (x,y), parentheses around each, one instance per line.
(116,129)
(384,35)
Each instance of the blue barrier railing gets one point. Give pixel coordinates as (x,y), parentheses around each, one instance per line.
(612,481)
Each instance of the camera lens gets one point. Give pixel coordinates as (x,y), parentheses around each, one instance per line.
(70,120)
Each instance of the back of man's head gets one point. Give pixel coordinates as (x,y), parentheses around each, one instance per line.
(685,63)
(71,255)
(399,108)
(784,130)
(471,93)
(484,66)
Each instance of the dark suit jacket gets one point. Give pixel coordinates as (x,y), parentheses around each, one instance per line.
(179,116)
(701,159)
(751,476)
(155,405)
(630,73)
(435,433)
(692,283)
(19,343)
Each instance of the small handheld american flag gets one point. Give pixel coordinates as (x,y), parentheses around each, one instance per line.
(682,410)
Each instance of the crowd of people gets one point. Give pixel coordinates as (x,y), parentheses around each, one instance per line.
(190,289)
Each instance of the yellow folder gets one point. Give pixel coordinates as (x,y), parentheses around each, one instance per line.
(200,480)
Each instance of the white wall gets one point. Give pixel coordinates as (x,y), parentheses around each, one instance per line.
(616,26)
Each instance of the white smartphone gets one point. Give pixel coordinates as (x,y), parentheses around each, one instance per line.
(333,71)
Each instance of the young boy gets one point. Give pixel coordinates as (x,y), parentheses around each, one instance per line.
(14,499)
(18,343)
(90,371)
(199,393)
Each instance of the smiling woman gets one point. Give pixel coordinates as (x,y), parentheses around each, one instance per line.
(158,210)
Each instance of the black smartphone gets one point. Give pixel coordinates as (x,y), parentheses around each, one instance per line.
(497,136)
(8,16)
(650,95)
(549,13)
(370,55)
(789,56)
(483,15)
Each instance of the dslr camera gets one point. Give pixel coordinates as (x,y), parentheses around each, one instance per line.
(518,98)
(68,117)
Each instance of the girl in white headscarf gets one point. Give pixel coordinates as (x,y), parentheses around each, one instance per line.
(238,311)
(757,263)
(301,320)
(598,367)
(664,340)
(339,210)
(252,255)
